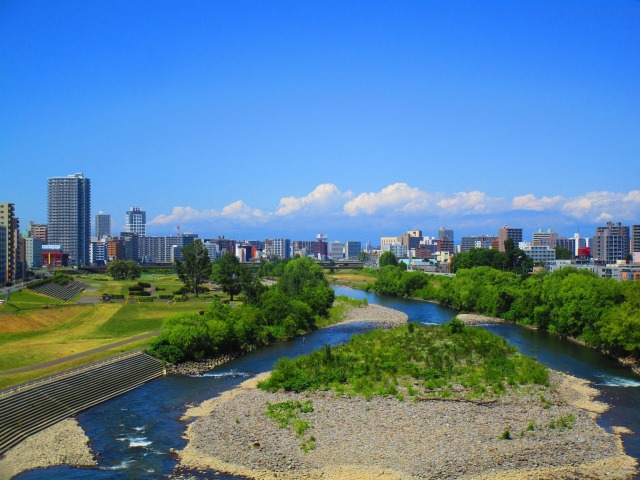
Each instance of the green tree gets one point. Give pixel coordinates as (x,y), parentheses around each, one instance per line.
(228,272)
(196,267)
(387,258)
(124,269)
(563,253)
(303,279)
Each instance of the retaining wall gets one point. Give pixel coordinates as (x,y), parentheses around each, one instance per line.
(29,408)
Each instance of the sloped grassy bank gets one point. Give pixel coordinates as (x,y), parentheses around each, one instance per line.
(412,402)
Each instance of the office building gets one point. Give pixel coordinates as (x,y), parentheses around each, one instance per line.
(103,225)
(136,221)
(444,233)
(352,249)
(69,216)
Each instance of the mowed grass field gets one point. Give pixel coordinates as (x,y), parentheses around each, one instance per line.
(35,328)
(355,278)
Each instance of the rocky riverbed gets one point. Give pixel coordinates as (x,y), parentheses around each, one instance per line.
(550,437)
(64,443)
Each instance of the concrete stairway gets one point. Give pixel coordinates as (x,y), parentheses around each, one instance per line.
(27,409)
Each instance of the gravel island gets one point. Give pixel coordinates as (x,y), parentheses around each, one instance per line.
(552,433)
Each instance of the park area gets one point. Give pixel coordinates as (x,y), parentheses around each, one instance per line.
(36,328)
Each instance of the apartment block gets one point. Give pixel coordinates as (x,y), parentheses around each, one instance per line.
(69,216)
(611,243)
(476,241)
(511,233)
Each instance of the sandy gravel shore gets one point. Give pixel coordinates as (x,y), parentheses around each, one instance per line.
(386,438)
(475,319)
(386,317)
(64,443)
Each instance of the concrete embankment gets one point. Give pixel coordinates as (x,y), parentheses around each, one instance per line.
(29,408)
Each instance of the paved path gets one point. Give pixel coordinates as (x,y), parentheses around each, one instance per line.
(51,363)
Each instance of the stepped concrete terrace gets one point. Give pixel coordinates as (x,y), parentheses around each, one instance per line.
(61,292)
(28,408)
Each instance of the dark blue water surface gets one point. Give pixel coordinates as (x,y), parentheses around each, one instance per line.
(132,434)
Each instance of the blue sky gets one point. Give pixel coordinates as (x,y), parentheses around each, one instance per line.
(354,119)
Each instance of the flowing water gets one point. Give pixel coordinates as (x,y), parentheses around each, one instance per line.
(133,433)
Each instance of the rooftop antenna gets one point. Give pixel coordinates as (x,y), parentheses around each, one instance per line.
(178,230)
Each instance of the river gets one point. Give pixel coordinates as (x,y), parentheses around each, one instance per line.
(133,433)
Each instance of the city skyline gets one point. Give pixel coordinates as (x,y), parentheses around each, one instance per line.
(357,120)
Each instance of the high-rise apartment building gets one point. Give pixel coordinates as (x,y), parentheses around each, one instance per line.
(69,216)
(510,233)
(10,244)
(3,255)
(136,222)
(103,225)
(611,243)
(635,238)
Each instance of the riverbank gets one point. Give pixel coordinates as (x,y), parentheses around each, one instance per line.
(64,443)
(381,316)
(476,319)
(553,434)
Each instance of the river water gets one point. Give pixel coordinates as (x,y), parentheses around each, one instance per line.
(133,433)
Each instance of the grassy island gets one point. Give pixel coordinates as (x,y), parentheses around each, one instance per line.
(413,361)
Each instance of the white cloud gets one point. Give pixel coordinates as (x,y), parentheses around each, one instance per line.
(531,202)
(324,196)
(632,197)
(395,197)
(470,202)
(400,204)
(591,204)
(184,215)
(241,210)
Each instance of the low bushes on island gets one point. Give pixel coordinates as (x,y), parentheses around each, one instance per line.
(448,361)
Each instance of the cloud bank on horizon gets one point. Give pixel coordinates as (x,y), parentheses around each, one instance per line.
(406,204)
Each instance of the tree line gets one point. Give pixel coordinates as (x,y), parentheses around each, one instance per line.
(290,307)
(602,312)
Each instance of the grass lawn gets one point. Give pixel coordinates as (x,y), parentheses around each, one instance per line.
(36,328)
(10,380)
